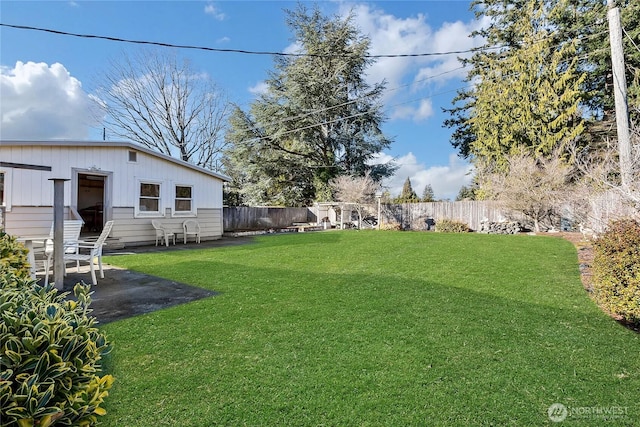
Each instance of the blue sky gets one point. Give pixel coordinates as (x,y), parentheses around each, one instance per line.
(46,79)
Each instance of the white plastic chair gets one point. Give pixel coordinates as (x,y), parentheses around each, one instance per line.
(44,256)
(71,234)
(162,234)
(88,251)
(191,228)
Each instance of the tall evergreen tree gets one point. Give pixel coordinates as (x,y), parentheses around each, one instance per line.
(317,120)
(575,36)
(407,195)
(466,193)
(527,97)
(428,194)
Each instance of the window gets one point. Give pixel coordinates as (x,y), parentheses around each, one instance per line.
(184,200)
(149,200)
(133,156)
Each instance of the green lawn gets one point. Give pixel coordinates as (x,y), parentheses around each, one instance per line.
(374,328)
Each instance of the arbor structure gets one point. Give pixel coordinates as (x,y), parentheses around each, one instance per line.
(356,191)
(318,118)
(158,101)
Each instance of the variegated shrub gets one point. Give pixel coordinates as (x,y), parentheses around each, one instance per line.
(50,354)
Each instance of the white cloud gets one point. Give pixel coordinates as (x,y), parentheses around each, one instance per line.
(43,102)
(411,35)
(295,47)
(210,9)
(422,112)
(445,180)
(450,37)
(224,39)
(258,88)
(390,34)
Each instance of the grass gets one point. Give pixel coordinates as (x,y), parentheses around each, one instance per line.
(373,328)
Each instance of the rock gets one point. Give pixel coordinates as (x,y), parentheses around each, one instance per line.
(506,227)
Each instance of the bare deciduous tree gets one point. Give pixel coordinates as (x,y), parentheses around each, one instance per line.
(533,186)
(358,191)
(158,101)
(601,169)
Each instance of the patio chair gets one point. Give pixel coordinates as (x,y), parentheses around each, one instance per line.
(71,234)
(162,234)
(43,256)
(88,251)
(191,228)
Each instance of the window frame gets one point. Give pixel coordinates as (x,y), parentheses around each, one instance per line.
(192,211)
(144,213)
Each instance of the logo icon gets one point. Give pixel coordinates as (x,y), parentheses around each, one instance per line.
(557,412)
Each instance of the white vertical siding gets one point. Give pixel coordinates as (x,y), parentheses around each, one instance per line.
(32,188)
(31,193)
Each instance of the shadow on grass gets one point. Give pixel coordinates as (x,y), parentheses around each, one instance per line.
(344,348)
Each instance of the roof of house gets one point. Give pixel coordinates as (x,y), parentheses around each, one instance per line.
(113,144)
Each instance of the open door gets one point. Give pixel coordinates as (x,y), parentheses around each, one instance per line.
(91,201)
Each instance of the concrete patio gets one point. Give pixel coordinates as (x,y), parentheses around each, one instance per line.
(124,293)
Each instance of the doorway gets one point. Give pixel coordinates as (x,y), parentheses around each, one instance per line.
(91,201)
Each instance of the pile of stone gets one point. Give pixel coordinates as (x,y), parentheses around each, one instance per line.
(506,227)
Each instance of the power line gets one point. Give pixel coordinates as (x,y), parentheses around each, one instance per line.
(630,39)
(338,119)
(241,51)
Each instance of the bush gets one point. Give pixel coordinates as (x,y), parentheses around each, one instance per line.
(393,226)
(616,270)
(49,356)
(13,256)
(451,226)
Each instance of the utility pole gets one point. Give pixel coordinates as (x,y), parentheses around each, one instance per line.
(620,93)
(58,231)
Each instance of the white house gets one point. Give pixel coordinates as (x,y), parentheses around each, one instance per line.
(106,181)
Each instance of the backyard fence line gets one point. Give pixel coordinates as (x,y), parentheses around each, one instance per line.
(421,216)
(599,210)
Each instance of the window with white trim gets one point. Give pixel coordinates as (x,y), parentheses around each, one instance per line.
(149,199)
(184,199)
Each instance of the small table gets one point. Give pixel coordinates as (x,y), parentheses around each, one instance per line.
(28,243)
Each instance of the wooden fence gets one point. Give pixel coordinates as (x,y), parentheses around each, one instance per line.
(249,218)
(422,216)
(596,213)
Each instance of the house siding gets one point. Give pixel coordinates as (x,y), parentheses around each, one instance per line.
(138,231)
(29,191)
(30,220)
(29,187)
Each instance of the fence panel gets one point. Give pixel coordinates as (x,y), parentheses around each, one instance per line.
(421,216)
(249,218)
